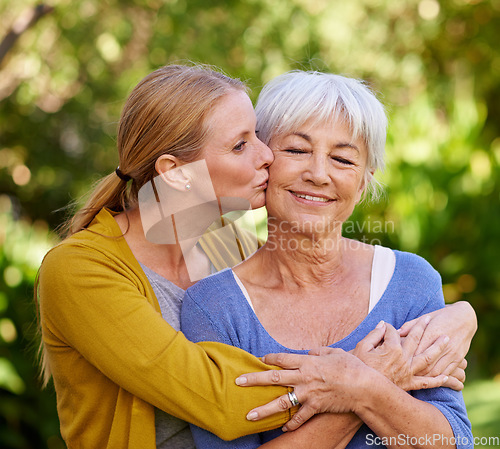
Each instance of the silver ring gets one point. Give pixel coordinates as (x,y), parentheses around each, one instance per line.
(293,398)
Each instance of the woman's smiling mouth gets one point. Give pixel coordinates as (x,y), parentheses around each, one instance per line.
(309,197)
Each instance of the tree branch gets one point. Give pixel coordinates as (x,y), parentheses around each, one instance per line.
(27,19)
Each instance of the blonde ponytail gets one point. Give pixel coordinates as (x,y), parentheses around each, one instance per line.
(110,192)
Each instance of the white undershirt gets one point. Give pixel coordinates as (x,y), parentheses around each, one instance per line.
(384,262)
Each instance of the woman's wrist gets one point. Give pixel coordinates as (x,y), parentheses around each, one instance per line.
(373,390)
(367,384)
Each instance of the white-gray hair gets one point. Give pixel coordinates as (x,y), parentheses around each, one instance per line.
(294,98)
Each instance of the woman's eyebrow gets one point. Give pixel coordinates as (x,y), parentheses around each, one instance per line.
(303,135)
(308,138)
(346,145)
(238,134)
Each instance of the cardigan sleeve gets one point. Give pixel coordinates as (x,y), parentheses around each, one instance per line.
(92,304)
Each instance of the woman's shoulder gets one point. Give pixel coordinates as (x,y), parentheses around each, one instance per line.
(415,265)
(415,287)
(415,279)
(216,285)
(218,299)
(99,242)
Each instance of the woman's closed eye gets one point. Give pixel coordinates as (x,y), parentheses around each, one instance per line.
(342,160)
(295,151)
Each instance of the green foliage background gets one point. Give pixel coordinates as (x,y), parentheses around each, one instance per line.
(435,64)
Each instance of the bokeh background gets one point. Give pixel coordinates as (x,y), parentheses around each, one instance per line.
(66,67)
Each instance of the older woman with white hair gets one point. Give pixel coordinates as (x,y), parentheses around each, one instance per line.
(327,133)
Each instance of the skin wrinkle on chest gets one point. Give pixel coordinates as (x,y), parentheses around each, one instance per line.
(314,317)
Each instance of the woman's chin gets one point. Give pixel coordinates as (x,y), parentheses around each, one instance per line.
(258,202)
(258,205)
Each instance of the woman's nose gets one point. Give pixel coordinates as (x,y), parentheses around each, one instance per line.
(266,156)
(316,171)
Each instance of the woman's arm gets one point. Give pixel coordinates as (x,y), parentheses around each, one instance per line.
(401,420)
(96,311)
(459,322)
(394,358)
(318,391)
(324,431)
(385,408)
(384,350)
(428,365)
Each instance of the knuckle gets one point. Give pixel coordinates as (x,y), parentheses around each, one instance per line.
(298,419)
(283,403)
(252,378)
(314,404)
(275,376)
(427,359)
(308,378)
(280,359)
(443,345)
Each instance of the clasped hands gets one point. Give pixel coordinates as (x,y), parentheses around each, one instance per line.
(332,380)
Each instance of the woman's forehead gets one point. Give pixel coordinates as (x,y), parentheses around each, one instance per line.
(335,124)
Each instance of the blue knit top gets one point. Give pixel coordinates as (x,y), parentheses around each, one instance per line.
(215,309)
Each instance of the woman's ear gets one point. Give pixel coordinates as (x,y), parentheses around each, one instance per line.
(171,171)
(166,162)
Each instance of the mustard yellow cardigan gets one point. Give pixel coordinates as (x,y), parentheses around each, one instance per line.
(114,358)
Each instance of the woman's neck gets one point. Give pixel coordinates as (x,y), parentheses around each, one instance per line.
(322,285)
(304,260)
(168,260)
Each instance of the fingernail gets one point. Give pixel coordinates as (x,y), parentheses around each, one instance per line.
(252,416)
(284,429)
(446,339)
(379,325)
(427,319)
(445,379)
(241,380)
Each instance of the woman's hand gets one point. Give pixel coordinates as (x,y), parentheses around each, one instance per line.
(459,322)
(384,350)
(327,383)
(325,380)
